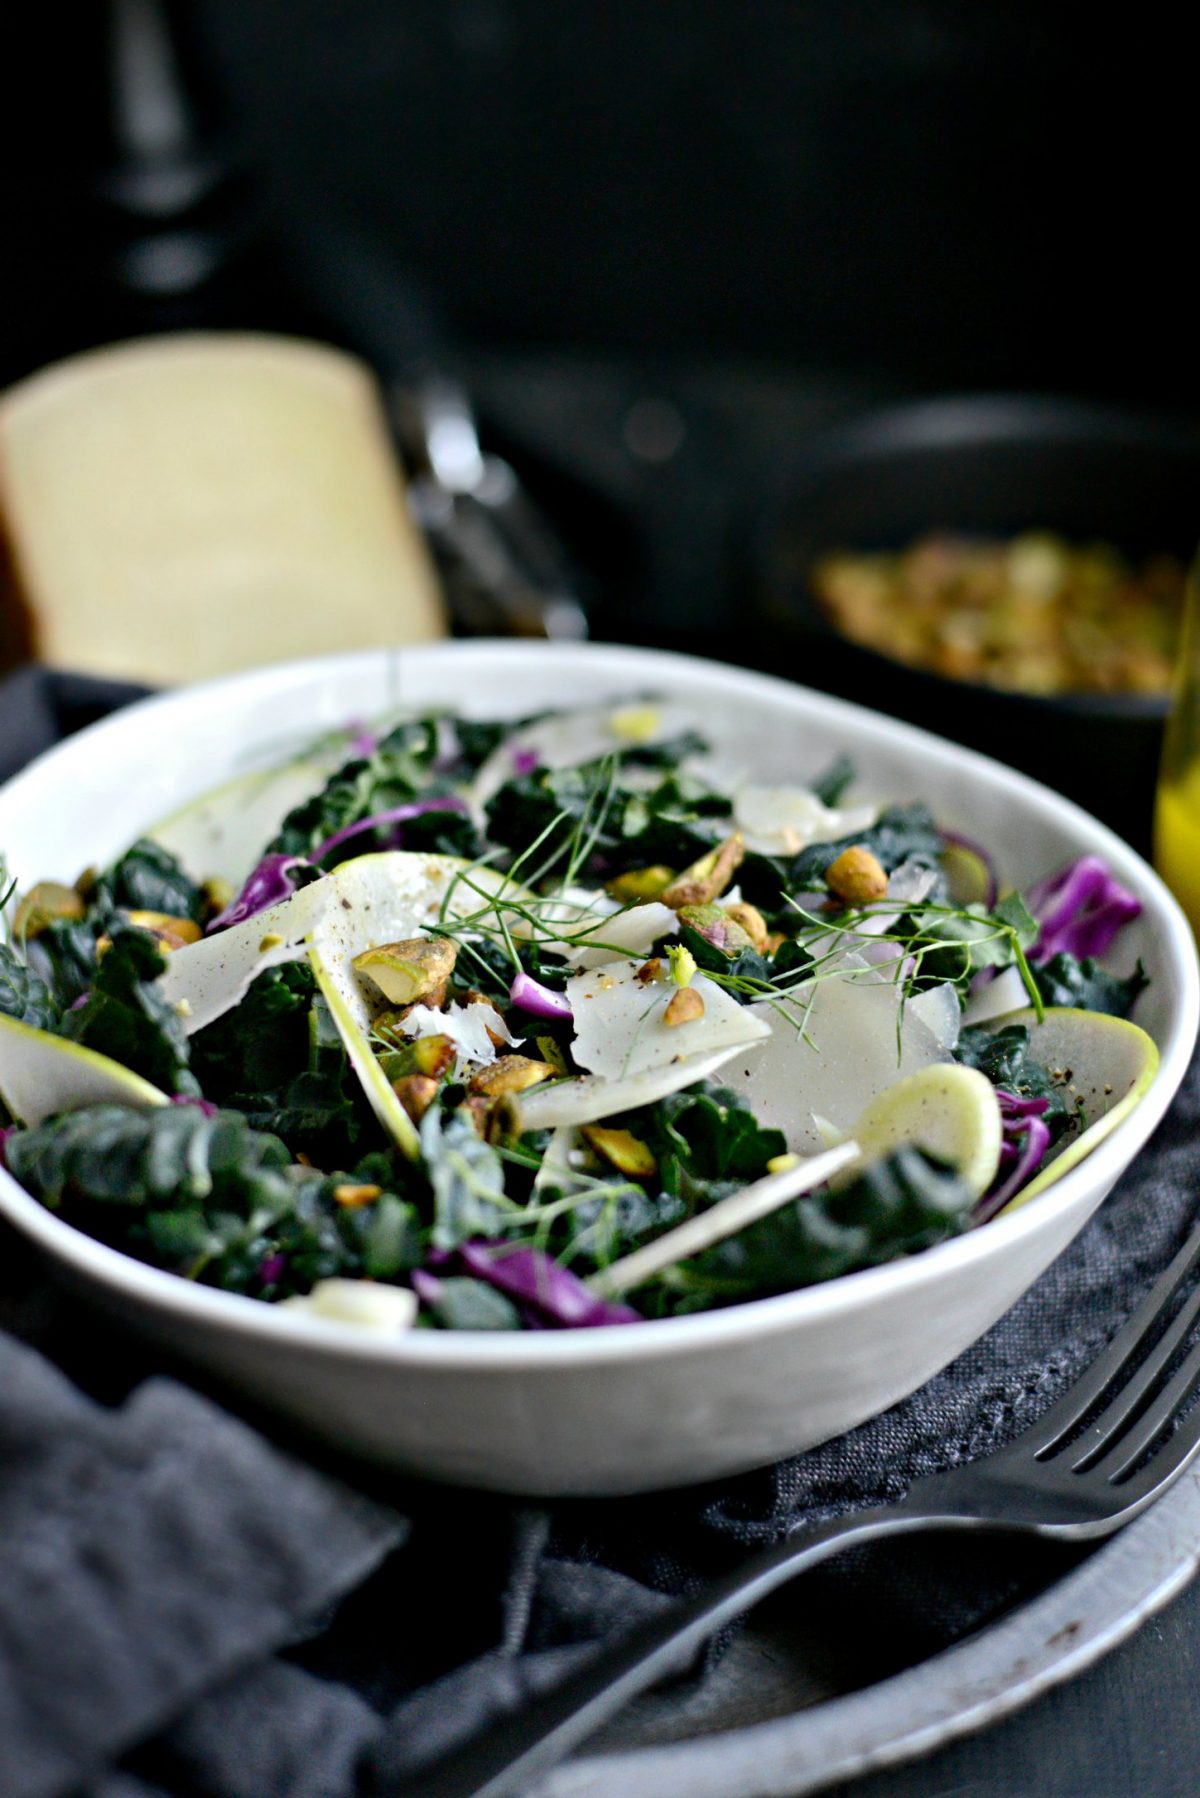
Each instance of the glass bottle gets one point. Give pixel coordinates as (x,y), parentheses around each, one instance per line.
(1177,804)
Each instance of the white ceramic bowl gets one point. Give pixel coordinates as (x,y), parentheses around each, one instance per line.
(647,1405)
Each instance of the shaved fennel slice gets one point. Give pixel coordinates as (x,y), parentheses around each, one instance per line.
(726,1218)
(41,1074)
(590,1098)
(375,1084)
(620,1025)
(834,1047)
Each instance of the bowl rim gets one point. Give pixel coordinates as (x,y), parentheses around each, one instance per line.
(486,1351)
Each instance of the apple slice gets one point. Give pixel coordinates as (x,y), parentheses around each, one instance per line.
(41,1075)
(1103,1064)
(946,1108)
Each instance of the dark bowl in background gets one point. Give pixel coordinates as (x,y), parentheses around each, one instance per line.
(987,465)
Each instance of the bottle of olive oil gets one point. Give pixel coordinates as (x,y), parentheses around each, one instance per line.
(1177,806)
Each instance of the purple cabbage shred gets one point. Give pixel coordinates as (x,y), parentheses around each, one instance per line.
(399,814)
(272,1269)
(524,760)
(204,1105)
(1080,909)
(538,1000)
(1023,1144)
(550,1294)
(269,884)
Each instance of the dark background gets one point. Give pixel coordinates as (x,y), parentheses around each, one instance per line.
(930,192)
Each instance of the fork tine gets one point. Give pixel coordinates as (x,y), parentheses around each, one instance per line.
(1130,1400)
(1174,1455)
(1124,1455)
(1104,1374)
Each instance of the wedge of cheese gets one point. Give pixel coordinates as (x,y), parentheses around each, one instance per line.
(183,506)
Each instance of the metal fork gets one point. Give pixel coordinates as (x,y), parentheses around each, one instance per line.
(1090,1464)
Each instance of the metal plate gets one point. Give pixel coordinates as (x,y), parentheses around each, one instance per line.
(728,1744)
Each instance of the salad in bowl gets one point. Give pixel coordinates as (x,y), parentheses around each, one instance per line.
(558,1023)
(595,1023)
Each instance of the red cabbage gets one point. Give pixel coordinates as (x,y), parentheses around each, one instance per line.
(203,1105)
(1080,910)
(399,814)
(272,1269)
(6,1130)
(363,740)
(538,1000)
(269,884)
(524,760)
(1023,1145)
(551,1293)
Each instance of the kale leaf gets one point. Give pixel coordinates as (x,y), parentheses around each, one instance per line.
(1003,1055)
(899,1205)
(466,1177)
(831,785)
(1065,980)
(210,1197)
(125,1017)
(24,995)
(148,878)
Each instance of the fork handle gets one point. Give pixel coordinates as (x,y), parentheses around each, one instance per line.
(502,1761)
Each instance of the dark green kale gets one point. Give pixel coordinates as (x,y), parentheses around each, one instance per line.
(125,1017)
(209,1197)
(899,834)
(147,878)
(957,945)
(64,954)
(467,1180)
(278,1058)
(830,787)
(1003,1055)
(705,1141)
(460,1303)
(898,1206)
(24,995)
(1065,980)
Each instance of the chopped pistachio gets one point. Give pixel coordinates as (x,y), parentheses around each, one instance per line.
(649,971)
(272,940)
(639,886)
(684,1007)
(431,1056)
(353,1198)
(779,1164)
(711,922)
(707,878)
(42,905)
(416,1093)
(218,894)
(857,877)
(751,921)
(172,932)
(622,1150)
(510,1074)
(417,968)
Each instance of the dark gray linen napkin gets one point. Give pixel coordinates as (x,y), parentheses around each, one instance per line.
(211,1672)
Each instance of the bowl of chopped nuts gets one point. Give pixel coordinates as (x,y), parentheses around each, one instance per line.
(1005,569)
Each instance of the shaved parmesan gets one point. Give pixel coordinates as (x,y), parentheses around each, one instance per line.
(585,1100)
(467,1026)
(782,820)
(857,1040)
(632,932)
(620,1025)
